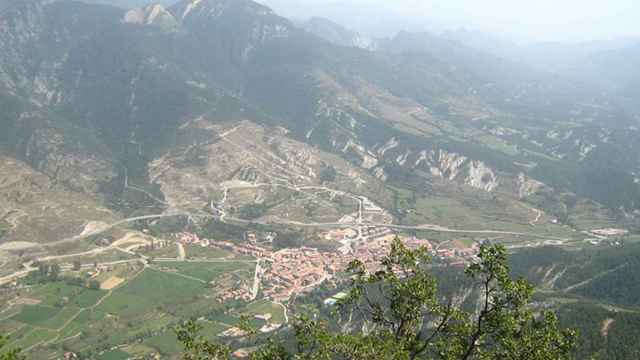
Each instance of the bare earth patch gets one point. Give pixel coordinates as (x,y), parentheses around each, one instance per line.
(132,238)
(27,301)
(111,283)
(16,245)
(606,325)
(93,227)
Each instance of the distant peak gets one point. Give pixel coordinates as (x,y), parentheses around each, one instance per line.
(154,14)
(189,7)
(214,8)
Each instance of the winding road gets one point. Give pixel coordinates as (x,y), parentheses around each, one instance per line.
(358,224)
(222,216)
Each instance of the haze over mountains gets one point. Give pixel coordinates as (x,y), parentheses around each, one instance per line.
(118,77)
(224,112)
(577,59)
(580,60)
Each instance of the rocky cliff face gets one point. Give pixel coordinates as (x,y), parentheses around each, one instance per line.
(244,25)
(20,28)
(455,167)
(155,14)
(439,163)
(481,177)
(527,186)
(37,38)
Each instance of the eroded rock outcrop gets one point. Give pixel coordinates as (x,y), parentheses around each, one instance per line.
(481,176)
(155,14)
(526,186)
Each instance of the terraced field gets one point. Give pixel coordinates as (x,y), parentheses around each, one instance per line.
(208,272)
(143,305)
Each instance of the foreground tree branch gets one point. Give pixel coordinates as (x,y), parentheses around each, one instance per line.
(9,354)
(409,320)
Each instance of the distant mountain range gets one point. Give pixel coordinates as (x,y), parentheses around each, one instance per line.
(129,4)
(85,82)
(338,34)
(605,63)
(113,113)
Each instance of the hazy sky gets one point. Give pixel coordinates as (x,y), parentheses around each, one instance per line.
(523,20)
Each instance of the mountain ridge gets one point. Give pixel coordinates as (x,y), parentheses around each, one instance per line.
(338,34)
(419,104)
(216,146)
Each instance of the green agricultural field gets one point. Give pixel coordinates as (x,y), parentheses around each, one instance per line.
(109,255)
(98,331)
(9,326)
(54,293)
(166,343)
(199,252)
(169,251)
(266,307)
(471,211)
(88,298)
(46,316)
(468,242)
(4,228)
(632,239)
(36,314)
(58,293)
(125,305)
(149,302)
(152,284)
(114,355)
(61,318)
(209,271)
(225,318)
(74,327)
(462,215)
(16,330)
(589,216)
(31,338)
(150,289)
(213,330)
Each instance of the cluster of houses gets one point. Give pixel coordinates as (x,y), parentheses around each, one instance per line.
(188,238)
(157,244)
(417,243)
(370,207)
(235,291)
(250,249)
(99,269)
(262,238)
(376,233)
(296,271)
(293,271)
(349,238)
(339,235)
(288,272)
(458,255)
